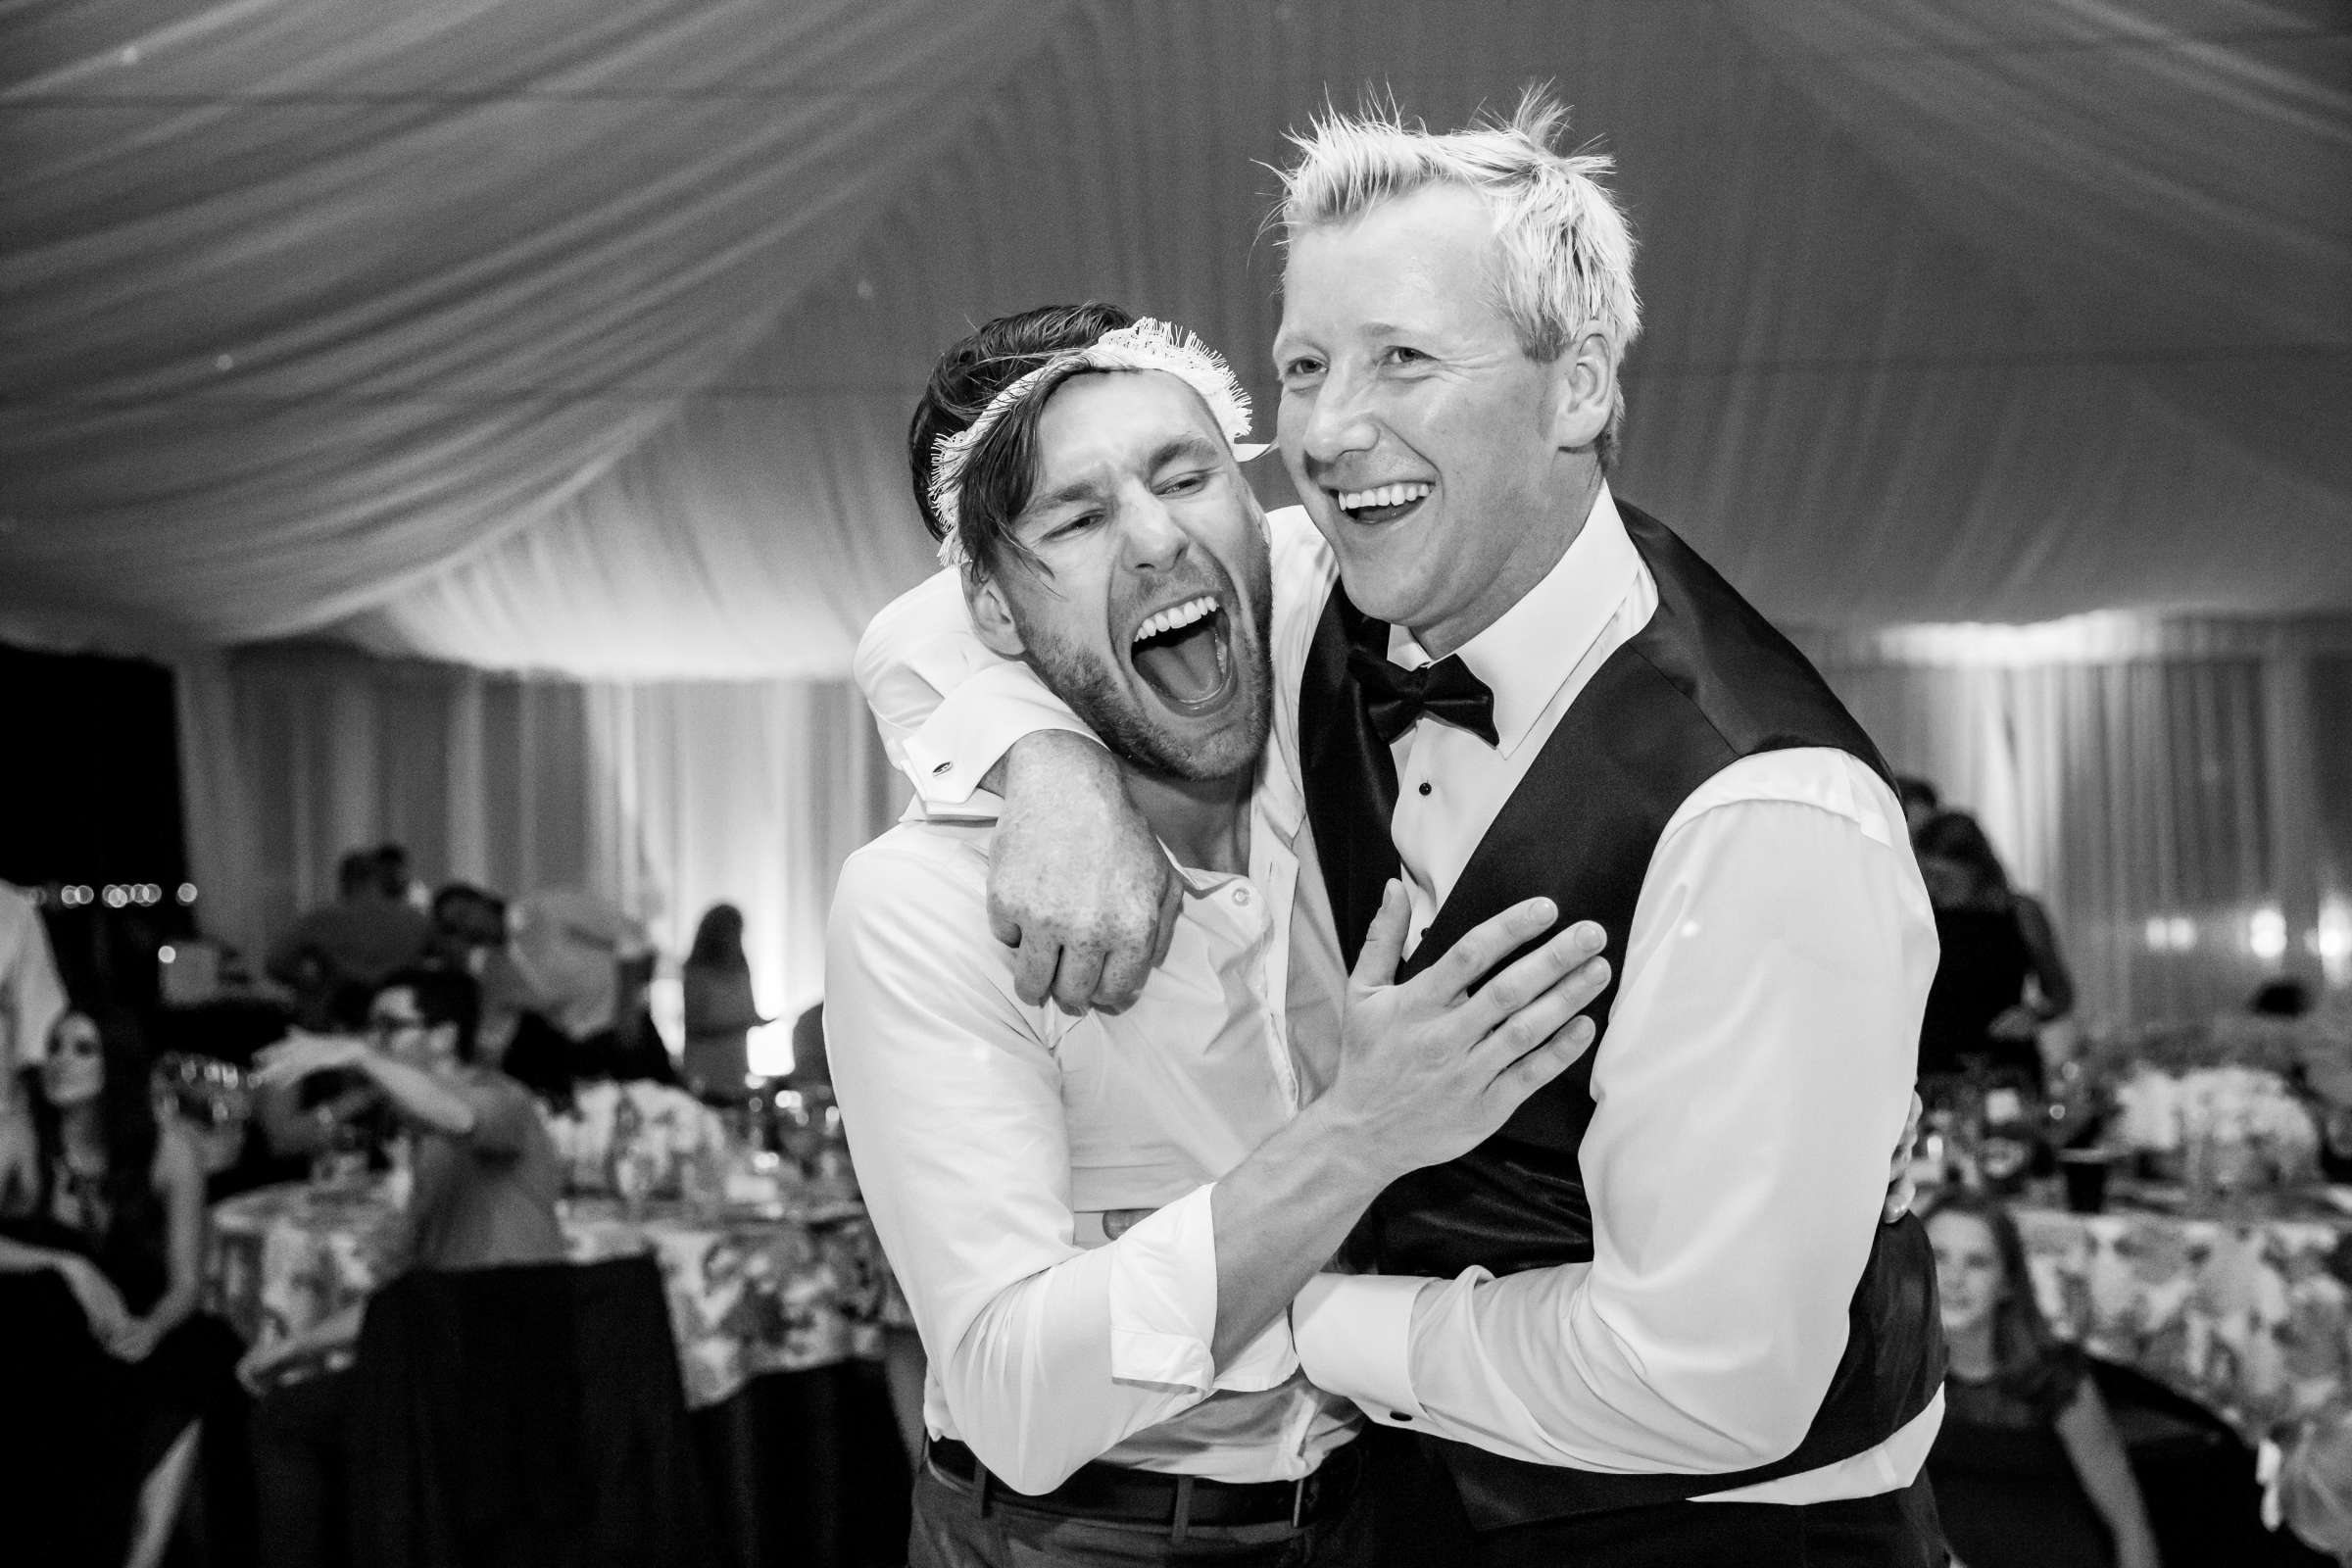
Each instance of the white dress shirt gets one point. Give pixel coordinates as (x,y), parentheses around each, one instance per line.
(992,1138)
(1749,1090)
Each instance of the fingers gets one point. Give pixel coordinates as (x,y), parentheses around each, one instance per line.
(1899,1197)
(1033,965)
(1546,1062)
(1568,953)
(1384,943)
(1526,1028)
(1128,967)
(1076,979)
(1487,943)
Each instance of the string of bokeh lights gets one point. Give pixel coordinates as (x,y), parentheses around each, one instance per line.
(114,894)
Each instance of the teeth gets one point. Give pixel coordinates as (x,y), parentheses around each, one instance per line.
(1175,615)
(1388,495)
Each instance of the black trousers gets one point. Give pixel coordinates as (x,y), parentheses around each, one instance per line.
(1893,1530)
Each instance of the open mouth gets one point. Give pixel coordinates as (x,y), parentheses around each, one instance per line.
(1182,653)
(1384,503)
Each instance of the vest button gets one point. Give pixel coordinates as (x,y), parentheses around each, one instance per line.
(1424,786)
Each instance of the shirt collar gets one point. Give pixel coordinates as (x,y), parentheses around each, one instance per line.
(1536,643)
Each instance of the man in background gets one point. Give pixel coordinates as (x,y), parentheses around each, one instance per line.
(336,955)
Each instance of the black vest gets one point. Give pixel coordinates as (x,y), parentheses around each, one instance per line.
(1706,682)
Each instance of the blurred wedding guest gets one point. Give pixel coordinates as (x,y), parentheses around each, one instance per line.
(472,933)
(2000,979)
(483,1182)
(721,1009)
(117,1213)
(591,967)
(31,999)
(336,955)
(811,1068)
(1921,802)
(2029,1471)
(399,876)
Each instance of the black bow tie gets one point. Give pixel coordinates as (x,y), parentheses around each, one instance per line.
(1394,698)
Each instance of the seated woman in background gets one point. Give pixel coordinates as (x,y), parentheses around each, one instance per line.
(115,1212)
(720,1011)
(2028,1469)
(1994,939)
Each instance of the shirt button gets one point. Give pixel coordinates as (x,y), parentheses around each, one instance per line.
(1241,895)
(1424,786)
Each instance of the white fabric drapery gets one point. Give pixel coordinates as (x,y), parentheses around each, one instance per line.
(552,336)
(2179,794)
(662,798)
(309,300)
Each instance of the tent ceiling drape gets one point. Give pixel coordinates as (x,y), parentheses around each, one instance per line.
(552,335)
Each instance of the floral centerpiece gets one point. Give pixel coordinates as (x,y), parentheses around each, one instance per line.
(2232,1127)
(661,1129)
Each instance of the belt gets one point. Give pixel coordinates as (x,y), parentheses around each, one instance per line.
(1115,1493)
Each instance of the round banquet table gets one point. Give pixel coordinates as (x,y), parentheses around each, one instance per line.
(754,1291)
(2249,1313)
(804,1468)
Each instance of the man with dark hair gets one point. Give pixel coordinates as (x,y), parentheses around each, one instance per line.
(483,1180)
(336,955)
(1922,801)
(1099,1222)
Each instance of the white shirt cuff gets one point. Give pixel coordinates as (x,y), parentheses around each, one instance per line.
(1354,1334)
(1163,1296)
(975,725)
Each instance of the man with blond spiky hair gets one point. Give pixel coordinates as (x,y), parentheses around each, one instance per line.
(1655,1319)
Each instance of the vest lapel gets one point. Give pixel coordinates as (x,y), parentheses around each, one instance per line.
(1350,777)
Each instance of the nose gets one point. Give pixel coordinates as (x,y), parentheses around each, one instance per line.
(1338,421)
(1151,539)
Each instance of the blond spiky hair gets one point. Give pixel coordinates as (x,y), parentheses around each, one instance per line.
(1566,254)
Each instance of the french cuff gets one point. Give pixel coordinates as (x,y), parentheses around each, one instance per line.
(974,725)
(1354,1337)
(1163,1296)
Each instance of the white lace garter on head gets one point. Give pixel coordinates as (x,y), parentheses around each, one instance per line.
(1147,345)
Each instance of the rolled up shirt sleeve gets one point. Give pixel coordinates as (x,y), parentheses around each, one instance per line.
(947,705)
(1047,1352)
(1753,1080)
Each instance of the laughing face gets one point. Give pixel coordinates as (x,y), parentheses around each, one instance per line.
(1443,465)
(1148,607)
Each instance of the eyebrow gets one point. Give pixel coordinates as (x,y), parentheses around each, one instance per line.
(1188,445)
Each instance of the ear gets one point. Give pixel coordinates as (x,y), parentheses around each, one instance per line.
(992,617)
(1584,390)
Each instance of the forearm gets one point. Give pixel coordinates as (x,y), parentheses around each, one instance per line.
(418,1097)
(1281,1214)
(2096,1449)
(17,1257)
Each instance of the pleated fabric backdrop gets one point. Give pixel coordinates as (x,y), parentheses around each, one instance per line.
(662,797)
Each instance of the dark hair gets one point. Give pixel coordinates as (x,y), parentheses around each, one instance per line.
(456,893)
(1955,835)
(2029,1361)
(2283,997)
(718,940)
(1914,791)
(443,995)
(998,478)
(125,1111)
(358,870)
